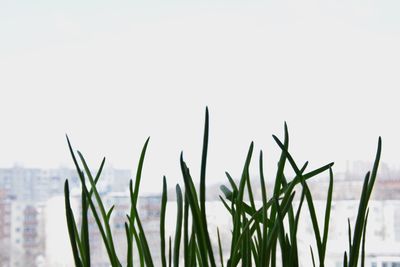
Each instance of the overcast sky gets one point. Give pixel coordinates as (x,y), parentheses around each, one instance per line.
(111,73)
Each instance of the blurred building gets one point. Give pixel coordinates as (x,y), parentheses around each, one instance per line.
(33,230)
(32,184)
(149,209)
(27,234)
(382,236)
(5,228)
(29,219)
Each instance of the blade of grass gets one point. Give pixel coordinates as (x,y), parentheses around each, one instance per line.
(87,195)
(139,173)
(357,235)
(178,230)
(375,167)
(203,189)
(164,199)
(309,201)
(109,239)
(312,256)
(70,223)
(129,256)
(362,209)
(363,240)
(85,206)
(238,204)
(187,248)
(196,212)
(349,236)
(327,215)
(293,232)
(203,167)
(263,259)
(143,241)
(133,232)
(169,252)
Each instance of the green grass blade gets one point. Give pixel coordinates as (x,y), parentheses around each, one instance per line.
(198,255)
(143,241)
(109,213)
(232,182)
(263,259)
(169,252)
(363,241)
(133,232)
(203,189)
(186,242)
(308,198)
(178,229)
(375,168)
(312,256)
(193,251)
(349,236)
(327,214)
(87,195)
(113,256)
(85,206)
(279,176)
(134,194)
(70,224)
(196,212)
(358,228)
(246,249)
(252,204)
(129,256)
(164,199)
(226,205)
(239,204)
(281,232)
(85,230)
(139,173)
(273,233)
(293,232)
(203,167)
(254,244)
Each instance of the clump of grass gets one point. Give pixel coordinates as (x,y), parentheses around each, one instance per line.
(257,234)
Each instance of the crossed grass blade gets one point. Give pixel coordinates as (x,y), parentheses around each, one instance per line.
(83,241)
(86,194)
(108,234)
(321,245)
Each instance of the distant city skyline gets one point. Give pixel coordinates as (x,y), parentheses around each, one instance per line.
(34,228)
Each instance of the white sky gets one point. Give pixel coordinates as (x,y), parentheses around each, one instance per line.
(111,73)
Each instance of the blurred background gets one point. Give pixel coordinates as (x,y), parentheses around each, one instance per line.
(110,74)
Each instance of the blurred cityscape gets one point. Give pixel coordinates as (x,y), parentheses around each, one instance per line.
(33,231)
